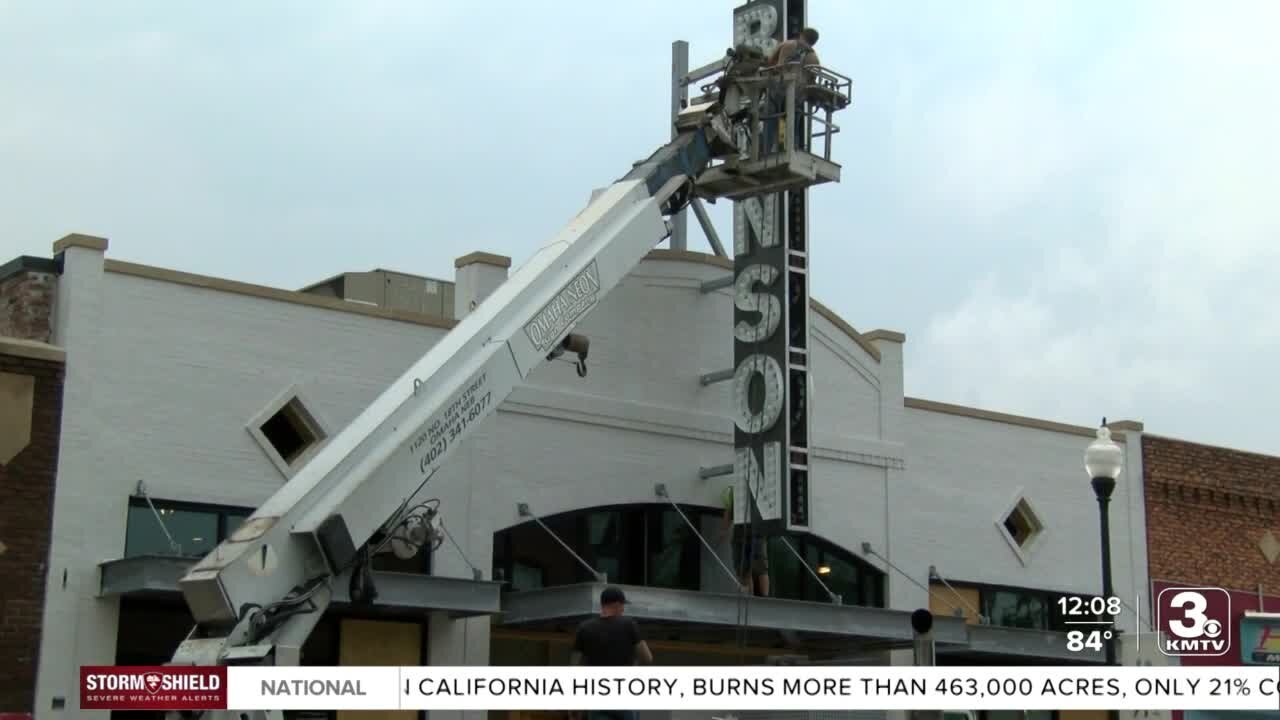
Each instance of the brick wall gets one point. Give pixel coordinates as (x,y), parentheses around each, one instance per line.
(27,289)
(1208,509)
(26,504)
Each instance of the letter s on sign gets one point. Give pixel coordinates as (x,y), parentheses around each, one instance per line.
(767,304)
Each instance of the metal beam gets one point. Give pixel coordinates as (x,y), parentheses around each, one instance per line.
(1007,641)
(457,597)
(707,473)
(708,229)
(142,575)
(570,602)
(718,283)
(716,376)
(705,71)
(679,95)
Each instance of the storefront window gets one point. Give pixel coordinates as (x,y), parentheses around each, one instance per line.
(633,545)
(673,560)
(1008,608)
(194,531)
(844,574)
(603,542)
(231,522)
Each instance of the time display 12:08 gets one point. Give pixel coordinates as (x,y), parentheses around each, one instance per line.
(1089,607)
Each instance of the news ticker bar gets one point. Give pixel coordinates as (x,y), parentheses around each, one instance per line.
(686,688)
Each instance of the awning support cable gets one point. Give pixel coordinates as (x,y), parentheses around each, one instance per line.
(173,544)
(476,573)
(835,599)
(524,511)
(867,550)
(661,491)
(933,574)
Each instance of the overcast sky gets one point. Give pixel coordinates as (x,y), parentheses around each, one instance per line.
(1070,209)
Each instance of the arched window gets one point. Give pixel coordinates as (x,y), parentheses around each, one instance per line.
(854,580)
(649,545)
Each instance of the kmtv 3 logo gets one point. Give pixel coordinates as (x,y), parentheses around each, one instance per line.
(1195,621)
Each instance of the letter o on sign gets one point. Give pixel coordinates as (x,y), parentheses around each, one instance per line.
(768,369)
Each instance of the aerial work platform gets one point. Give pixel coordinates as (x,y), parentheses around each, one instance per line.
(782,122)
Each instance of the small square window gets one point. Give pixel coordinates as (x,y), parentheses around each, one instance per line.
(288,431)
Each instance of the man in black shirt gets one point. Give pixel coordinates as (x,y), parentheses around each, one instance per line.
(610,639)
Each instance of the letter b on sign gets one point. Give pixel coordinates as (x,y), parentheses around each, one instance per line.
(1194,621)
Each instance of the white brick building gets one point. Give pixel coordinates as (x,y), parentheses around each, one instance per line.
(171,379)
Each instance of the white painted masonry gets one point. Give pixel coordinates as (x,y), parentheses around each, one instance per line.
(163,377)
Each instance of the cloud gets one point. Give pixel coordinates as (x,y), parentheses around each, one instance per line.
(1163,307)
(1082,196)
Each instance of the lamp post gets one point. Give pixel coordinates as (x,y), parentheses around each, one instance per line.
(1103,460)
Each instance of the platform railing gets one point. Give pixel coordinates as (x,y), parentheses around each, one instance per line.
(782,96)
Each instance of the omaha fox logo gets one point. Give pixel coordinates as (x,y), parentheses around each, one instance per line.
(153,681)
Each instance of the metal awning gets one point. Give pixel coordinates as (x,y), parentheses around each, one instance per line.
(157,576)
(705,616)
(995,645)
(712,617)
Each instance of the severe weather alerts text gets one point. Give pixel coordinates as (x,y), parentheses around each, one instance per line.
(153,688)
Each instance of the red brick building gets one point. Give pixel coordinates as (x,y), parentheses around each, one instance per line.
(27,289)
(1213,520)
(1213,515)
(31,380)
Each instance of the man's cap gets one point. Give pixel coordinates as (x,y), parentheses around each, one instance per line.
(612,595)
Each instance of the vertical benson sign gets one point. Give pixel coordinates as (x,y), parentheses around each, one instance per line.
(771,325)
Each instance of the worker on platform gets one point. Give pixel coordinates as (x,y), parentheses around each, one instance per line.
(799,49)
(750,554)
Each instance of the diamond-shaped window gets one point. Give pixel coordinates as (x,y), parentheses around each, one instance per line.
(288,431)
(1270,547)
(1021,527)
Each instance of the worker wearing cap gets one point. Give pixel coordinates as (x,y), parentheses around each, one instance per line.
(754,567)
(610,639)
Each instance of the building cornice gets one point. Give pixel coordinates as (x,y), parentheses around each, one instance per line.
(278,294)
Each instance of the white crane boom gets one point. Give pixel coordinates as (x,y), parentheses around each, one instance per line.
(278,565)
(257,596)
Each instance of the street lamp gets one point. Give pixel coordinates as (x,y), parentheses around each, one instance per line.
(1103,460)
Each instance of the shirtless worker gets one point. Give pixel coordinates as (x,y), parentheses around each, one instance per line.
(799,49)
